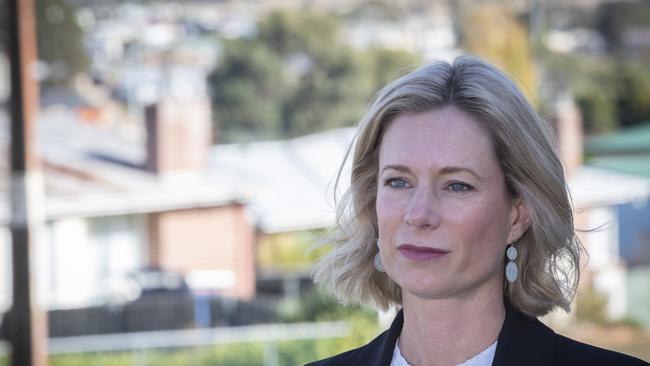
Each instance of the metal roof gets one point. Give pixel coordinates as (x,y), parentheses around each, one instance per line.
(291,182)
(630,140)
(626,151)
(92,172)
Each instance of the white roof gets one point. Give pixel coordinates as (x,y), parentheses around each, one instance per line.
(592,187)
(92,173)
(290,183)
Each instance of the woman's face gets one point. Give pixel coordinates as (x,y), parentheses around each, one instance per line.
(443,210)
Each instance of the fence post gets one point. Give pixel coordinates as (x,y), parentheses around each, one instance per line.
(271,357)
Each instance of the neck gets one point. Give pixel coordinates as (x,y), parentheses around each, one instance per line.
(449,331)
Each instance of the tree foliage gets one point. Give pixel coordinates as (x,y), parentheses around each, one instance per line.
(633,100)
(615,19)
(60,40)
(386,65)
(493,32)
(296,77)
(288,33)
(611,92)
(248,90)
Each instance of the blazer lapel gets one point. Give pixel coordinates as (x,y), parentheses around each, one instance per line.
(379,352)
(524,340)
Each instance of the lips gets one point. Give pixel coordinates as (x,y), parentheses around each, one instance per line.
(418,253)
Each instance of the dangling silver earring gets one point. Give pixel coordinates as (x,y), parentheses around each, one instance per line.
(379,266)
(511,268)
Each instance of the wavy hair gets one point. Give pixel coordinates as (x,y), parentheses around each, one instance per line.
(549,251)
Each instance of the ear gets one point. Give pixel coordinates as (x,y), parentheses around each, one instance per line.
(519,219)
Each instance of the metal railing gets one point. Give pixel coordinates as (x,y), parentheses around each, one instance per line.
(140,342)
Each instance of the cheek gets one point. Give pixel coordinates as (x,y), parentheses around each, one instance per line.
(389,214)
(481,232)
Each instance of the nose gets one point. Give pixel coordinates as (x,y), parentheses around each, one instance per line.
(421,212)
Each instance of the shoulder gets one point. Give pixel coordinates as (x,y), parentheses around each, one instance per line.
(378,352)
(525,340)
(572,352)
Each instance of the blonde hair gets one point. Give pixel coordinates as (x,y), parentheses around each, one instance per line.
(549,250)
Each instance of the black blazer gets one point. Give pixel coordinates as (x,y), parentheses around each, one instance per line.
(522,341)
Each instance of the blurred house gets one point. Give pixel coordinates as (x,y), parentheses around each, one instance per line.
(620,27)
(291,184)
(626,26)
(610,193)
(612,216)
(575,40)
(429,33)
(627,154)
(114,206)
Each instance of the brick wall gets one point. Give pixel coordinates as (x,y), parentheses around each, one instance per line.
(178,135)
(218,238)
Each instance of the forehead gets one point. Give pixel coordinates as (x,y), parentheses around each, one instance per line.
(441,137)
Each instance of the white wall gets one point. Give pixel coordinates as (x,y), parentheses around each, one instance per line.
(79,261)
(5,273)
(604,259)
(71,262)
(88,255)
(4,77)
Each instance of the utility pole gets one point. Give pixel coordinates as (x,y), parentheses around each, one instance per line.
(27,328)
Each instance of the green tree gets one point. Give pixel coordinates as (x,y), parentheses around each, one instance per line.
(288,33)
(330,82)
(331,94)
(296,77)
(387,64)
(338,88)
(597,104)
(611,92)
(60,40)
(248,91)
(493,32)
(633,100)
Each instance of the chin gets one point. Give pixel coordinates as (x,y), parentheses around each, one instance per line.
(427,289)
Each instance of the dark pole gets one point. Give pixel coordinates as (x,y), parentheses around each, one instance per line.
(27,324)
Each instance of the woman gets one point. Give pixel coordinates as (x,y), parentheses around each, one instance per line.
(458,212)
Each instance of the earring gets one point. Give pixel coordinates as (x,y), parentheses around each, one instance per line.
(511,268)
(379,266)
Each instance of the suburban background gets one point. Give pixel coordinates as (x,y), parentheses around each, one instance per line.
(189,151)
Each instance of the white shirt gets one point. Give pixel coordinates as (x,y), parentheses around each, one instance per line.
(484,358)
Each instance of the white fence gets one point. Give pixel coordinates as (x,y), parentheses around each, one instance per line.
(140,342)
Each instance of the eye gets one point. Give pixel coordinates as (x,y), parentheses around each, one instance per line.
(459,187)
(397,183)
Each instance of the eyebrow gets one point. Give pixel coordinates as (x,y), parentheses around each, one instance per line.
(444,170)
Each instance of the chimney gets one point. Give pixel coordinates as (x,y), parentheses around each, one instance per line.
(569,133)
(178,135)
